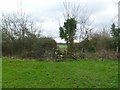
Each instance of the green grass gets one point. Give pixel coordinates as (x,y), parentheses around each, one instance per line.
(0,73)
(69,74)
(62,47)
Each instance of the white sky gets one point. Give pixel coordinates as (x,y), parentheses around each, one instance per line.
(48,12)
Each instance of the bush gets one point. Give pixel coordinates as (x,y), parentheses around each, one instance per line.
(29,47)
(40,47)
(96,43)
(91,48)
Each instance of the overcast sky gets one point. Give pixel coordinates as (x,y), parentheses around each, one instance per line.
(48,12)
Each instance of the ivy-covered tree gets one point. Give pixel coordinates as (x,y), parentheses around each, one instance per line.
(67,32)
(116,37)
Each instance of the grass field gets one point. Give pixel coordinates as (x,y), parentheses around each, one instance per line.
(69,74)
(62,47)
(0,73)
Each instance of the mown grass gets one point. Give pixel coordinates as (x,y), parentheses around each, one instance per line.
(69,74)
(0,73)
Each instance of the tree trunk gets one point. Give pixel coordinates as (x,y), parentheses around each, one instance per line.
(67,47)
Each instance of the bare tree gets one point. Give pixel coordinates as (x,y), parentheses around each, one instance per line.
(84,25)
(18,27)
(81,15)
(70,10)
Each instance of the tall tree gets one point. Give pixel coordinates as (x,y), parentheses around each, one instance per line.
(116,37)
(67,32)
(83,25)
(81,15)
